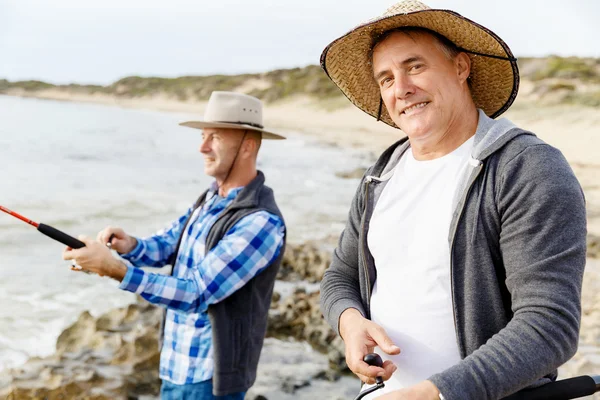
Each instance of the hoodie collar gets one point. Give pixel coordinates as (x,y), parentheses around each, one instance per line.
(490,136)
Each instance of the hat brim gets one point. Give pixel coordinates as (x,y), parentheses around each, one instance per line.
(494,73)
(201,125)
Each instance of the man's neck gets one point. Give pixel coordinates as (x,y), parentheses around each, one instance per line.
(460,130)
(234,181)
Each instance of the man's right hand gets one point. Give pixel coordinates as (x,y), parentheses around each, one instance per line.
(360,337)
(121,242)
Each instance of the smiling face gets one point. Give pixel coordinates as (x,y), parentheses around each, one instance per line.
(219,147)
(423,88)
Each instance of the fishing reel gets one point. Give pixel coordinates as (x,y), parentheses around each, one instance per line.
(375,360)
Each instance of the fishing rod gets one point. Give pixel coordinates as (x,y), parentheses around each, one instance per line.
(573,388)
(48,230)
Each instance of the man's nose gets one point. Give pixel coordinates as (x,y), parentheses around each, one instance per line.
(403,86)
(205,146)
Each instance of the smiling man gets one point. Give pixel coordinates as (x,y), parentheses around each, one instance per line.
(225,250)
(462,259)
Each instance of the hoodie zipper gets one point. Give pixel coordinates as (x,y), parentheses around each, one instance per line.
(368,180)
(362,245)
(453,236)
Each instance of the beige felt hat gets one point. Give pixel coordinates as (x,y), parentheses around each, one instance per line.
(233,110)
(494,73)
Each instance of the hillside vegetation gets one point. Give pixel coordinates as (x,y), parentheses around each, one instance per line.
(549,80)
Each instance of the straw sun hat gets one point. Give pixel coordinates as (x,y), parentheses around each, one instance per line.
(494,73)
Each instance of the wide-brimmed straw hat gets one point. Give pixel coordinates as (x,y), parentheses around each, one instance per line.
(233,110)
(494,74)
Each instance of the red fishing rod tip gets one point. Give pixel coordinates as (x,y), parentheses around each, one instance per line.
(19,216)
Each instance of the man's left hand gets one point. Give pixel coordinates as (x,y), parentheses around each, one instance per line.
(96,257)
(421,391)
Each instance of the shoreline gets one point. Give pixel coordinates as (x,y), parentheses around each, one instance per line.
(575,130)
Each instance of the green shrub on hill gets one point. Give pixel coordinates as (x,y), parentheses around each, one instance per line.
(31,86)
(561,86)
(589,99)
(587,70)
(570,75)
(310,81)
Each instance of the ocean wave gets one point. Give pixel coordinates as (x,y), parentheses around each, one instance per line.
(10,358)
(84,157)
(70,215)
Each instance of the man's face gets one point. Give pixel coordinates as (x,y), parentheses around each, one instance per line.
(421,87)
(219,147)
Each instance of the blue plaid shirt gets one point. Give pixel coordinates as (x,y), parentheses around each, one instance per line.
(199,279)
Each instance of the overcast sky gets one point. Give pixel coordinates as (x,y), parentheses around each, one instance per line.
(100,41)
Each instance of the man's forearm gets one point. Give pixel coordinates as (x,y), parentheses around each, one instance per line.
(116,270)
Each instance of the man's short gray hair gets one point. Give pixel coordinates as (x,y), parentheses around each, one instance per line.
(449,49)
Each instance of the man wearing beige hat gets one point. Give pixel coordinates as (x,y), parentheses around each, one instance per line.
(462,259)
(225,250)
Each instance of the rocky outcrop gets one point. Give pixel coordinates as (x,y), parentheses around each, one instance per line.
(114,356)
(307,261)
(292,370)
(593,246)
(356,173)
(299,316)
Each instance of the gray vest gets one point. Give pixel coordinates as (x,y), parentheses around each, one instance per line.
(239,322)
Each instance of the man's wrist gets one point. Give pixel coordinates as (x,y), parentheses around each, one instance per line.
(432,391)
(348,314)
(132,244)
(117,270)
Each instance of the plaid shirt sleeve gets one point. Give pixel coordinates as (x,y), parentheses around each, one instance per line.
(249,247)
(155,250)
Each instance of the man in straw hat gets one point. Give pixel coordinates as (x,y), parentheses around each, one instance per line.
(226,250)
(462,259)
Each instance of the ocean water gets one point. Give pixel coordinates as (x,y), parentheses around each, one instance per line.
(81,167)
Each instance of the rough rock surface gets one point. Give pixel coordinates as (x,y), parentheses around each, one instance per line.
(356,173)
(593,246)
(306,261)
(114,356)
(299,316)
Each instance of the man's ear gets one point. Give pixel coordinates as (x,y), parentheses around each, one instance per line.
(463,66)
(249,146)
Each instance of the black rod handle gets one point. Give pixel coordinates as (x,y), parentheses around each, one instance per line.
(572,388)
(372,359)
(375,359)
(60,236)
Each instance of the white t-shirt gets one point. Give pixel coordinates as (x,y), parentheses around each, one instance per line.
(408,237)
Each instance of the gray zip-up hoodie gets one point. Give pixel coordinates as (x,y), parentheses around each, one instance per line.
(517,243)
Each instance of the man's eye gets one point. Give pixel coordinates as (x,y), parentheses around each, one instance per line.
(416,67)
(385,81)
